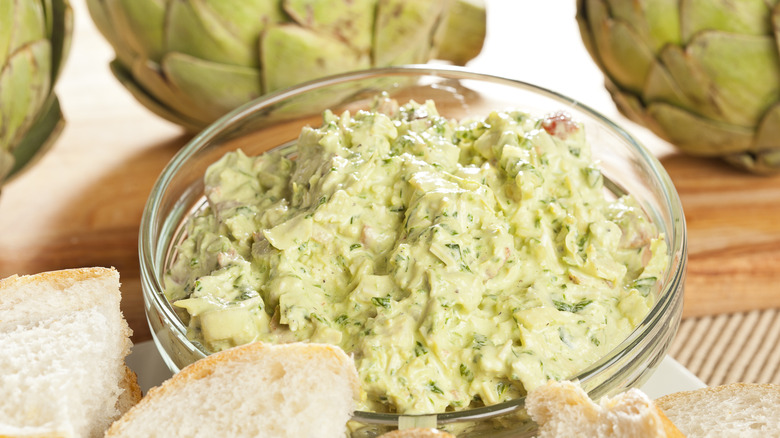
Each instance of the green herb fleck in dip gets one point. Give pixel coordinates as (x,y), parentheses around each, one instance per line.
(462,263)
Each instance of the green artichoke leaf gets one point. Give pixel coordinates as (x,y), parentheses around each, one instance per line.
(400,26)
(215,88)
(655,22)
(98,11)
(144,96)
(6,29)
(623,55)
(21,22)
(764,162)
(691,80)
(461,34)
(291,54)
(769,161)
(635,109)
(6,164)
(24,85)
(103,13)
(699,135)
(48,16)
(742,74)
(628,104)
(247,18)
(140,24)
(352,22)
(583,23)
(151,77)
(746,17)
(776,25)
(768,134)
(40,137)
(661,87)
(765,155)
(222,31)
(61,36)
(148,76)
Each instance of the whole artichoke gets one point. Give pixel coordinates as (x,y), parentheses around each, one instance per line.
(35,37)
(191,61)
(702,74)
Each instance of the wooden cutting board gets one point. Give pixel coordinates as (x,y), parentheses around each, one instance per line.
(82,203)
(733,222)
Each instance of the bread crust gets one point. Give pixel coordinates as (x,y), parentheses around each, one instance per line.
(245,353)
(666,401)
(132,392)
(61,278)
(669,428)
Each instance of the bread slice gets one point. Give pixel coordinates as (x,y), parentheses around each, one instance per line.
(564,409)
(63,341)
(254,390)
(736,409)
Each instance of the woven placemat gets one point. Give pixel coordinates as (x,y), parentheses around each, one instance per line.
(738,347)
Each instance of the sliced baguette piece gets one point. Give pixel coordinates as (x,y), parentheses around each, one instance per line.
(254,390)
(131,392)
(565,409)
(63,341)
(735,409)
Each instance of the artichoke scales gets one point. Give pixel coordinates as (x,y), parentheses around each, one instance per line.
(702,74)
(34,42)
(191,61)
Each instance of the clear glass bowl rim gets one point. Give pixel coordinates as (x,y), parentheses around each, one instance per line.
(676,235)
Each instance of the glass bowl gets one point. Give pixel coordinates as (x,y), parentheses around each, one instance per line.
(276,119)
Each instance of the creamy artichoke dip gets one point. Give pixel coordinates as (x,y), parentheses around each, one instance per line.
(462,263)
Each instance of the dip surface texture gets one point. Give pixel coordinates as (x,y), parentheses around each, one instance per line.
(462,263)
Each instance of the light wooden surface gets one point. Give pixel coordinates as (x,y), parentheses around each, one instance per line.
(82,203)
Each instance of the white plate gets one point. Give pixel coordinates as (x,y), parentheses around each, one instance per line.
(670,376)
